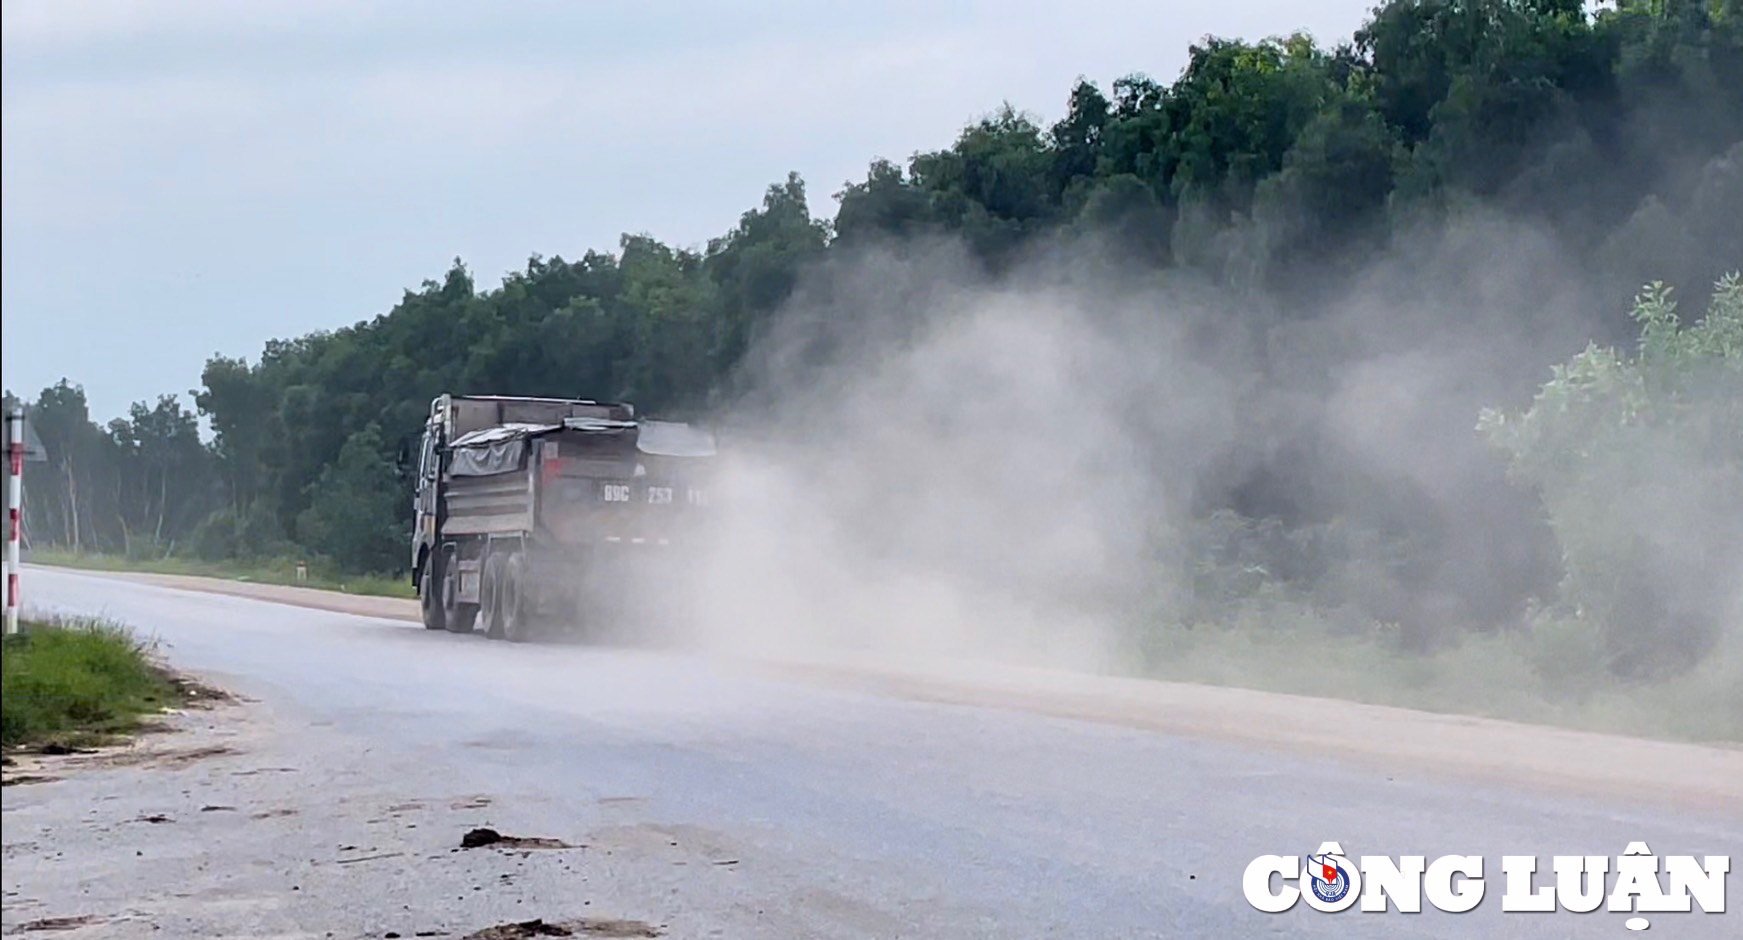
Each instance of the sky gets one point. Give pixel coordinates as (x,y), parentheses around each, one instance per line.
(184,178)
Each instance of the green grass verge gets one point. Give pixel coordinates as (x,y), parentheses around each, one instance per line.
(274,572)
(1530,677)
(77,682)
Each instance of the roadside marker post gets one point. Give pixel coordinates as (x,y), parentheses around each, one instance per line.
(14,511)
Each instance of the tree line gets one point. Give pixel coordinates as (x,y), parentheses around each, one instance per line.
(1276,168)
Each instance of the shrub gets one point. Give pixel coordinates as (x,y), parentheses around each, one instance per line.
(1639,463)
(75,677)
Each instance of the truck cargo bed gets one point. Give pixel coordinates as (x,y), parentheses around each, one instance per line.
(489,505)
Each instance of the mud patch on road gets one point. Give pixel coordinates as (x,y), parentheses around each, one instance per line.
(21,779)
(60,923)
(368,858)
(480,838)
(264,770)
(136,754)
(59,749)
(166,759)
(616,928)
(524,929)
(574,928)
(183,758)
(198,696)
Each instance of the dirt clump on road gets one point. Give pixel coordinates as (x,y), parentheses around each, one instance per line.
(575,928)
(196,695)
(526,928)
(479,838)
(60,749)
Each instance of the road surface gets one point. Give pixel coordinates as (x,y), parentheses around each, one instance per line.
(705,798)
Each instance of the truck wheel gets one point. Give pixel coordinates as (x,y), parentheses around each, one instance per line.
(429,594)
(490,595)
(460,618)
(513,614)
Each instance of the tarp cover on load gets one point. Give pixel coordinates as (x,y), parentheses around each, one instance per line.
(504,449)
(495,450)
(672,439)
(598,425)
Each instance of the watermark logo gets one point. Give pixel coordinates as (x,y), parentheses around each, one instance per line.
(1326,880)
(1331,876)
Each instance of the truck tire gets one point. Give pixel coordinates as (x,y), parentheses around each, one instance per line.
(490,595)
(429,594)
(513,614)
(460,618)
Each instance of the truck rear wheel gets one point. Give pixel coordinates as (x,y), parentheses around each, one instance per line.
(429,594)
(459,617)
(513,617)
(490,594)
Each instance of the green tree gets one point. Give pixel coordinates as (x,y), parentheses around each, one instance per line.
(993,185)
(70,499)
(239,405)
(755,268)
(886,205)
(355,515)
(162,470)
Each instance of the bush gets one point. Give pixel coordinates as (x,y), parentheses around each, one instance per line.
(79,677)
(226,535)
(1639,463)
(215,538)
(145,548)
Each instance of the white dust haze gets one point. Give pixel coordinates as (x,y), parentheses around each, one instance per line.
(921,461)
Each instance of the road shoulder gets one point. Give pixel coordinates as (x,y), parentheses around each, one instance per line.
(236,821)
(1393,740)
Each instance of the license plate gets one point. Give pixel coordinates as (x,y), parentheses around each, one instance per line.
(614,492)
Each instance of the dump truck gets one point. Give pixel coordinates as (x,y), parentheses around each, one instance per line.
(532,513)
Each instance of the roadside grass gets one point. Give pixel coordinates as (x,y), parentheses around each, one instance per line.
(77,682)
(281,571)
(1524,677)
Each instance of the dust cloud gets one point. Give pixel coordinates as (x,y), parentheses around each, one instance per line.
(921,460)
(991,480)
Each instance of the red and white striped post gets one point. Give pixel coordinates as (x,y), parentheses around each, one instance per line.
(14,509)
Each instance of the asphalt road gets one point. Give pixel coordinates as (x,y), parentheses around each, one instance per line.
(711,799)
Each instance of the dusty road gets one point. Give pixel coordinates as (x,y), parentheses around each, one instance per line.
(704,798)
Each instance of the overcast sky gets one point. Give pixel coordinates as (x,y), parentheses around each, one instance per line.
(188,177)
